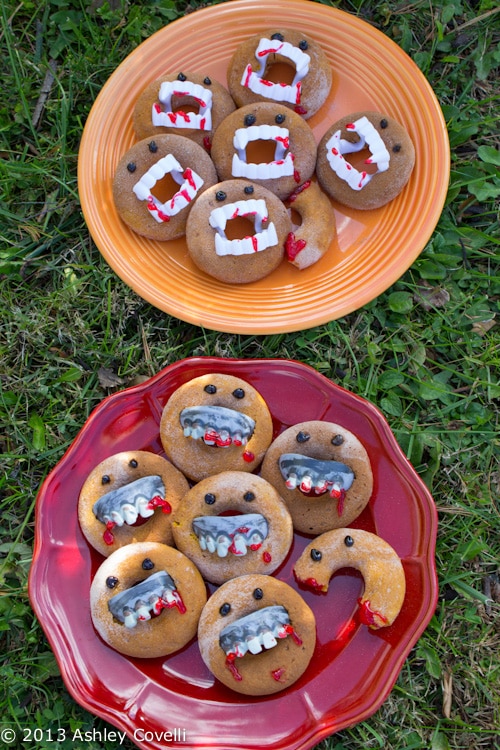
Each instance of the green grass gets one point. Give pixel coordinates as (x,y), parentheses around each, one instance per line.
(426,351)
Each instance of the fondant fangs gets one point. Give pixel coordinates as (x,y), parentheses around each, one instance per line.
(231,534)
(217,425)
(255,632)
(369,137)
(189,184)
(255,210)
(281,166)
(279,92)
(131,501)
(315,477)
(163,113)
(145,599)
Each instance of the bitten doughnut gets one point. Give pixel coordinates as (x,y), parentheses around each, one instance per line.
(146,600)
(215,423)
(236,231)
(365,159)
(188,104)
(280,65)
(231,524)
(256,635)
(376,560)
(267,144)
(312,238)
(322,472)
(156,183)
(129,497)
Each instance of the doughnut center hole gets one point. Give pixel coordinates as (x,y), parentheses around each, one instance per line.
(165,188)
(358,161)
(185,104)
(260,151)
(230,512)
(279,71)
(296,218)
(239,228)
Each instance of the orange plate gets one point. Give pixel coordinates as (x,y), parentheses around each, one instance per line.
(372,249)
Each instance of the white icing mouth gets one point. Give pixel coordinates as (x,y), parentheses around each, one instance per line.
(187,179)
(282,166)
(256,210)
(336,147)
(168,118)
(279,92)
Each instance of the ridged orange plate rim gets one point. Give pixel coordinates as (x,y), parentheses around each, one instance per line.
(372,248)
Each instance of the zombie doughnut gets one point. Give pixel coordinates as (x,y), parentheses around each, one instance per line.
(280,65)
(365,160)
(323,474)
(146,600)
(215,423)
(129,497)
(232,524)
(374,558)
(256,635)
(312,238)
(267,144)
(187,104)
(236,231)
(156,183)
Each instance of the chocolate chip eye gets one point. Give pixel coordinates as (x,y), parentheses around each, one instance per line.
(105,479)
(212,388)
(248,189)
(258,594)
(131,166)
(209,498)
(147,564)
(111,582)
(337,440)
(219,196)
(249,120)
(249,496)
(396,148)
(181,77)
(133,463)
(239,393)
(279,119)
(383,124)
(207,81)
(348,541)
(153,147)
(302,437)
(303,45)
(316,555)
(225,609)
(278,36)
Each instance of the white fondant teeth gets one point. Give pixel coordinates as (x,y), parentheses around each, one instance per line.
(216,425)
(143,612)
(369,136)
(260,240)
(314,475)
(292,481)
(255,632)
(283,164)
(167,118)
(235,534)
(268,639)
(277,91)
(143,509)
(254,645)
(187,191)
(130,620)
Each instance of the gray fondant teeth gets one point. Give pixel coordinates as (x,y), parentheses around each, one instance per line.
(235,534)
(140,601)
(217,425)
(125,504)
(314,475)
(255,632)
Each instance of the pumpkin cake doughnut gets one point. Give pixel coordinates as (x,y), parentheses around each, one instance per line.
(215,423)
(232,524)
(387,158)
(267,144)
(236,232)
(129,497)
(280,65)
(256,635)
(322,472)
(312,238)
(156,183)
(373,557)
(188,104)
(131,591)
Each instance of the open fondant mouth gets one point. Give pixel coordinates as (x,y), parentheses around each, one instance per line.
(234,534)
(260,630)
(164,115)
(337,147)
(314,476)
(265,232)
(189,184)
(281,166)
(279,92)
(217,425)
(146,599)
(137,499)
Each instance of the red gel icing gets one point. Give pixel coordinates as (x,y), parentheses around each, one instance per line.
(163,604)
(108,536)
(293,246)
(207,142)
(290,631)
(369,616)
(296,176)
(232,667)
(298,190)
(267,557)
(277,674)
(248,456)
(159,502)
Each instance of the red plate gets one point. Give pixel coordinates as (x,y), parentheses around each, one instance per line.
(174,701)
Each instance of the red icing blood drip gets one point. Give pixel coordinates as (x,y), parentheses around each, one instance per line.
(213,437)
(298,190)
(277,674)
(207,142)
(293,246)
(313,584)
(369,617)
(232,667)
(153,207)
(163,604)
(108,536)
(290,631)
(300,110)
(159,502)
(350,126)
(267,557)
(248,456)
(296,176)
(340,496)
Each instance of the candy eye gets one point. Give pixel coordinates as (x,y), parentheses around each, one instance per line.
(181,77)
(105,479)
(212,388)
(153,147)
(249,496)
(396,148)
(147,564)
(225,609)
(316,555)
(111,582)
(303,45)
(209,498)
(133,463)
(278,36)
(219,196)
(279,119)
(348,541)
(239,392)
(207,81)
(337,440)
(249,120)
(302,437)
(383,124)
(258,594)
(131,166)
(248,189)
